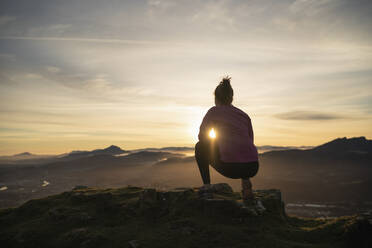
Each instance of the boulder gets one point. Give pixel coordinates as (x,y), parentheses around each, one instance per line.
(221,188)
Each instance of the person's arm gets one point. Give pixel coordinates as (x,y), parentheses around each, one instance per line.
(203,130)
(250,129)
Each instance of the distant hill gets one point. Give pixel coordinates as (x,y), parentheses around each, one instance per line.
(27,158)
(107,161)
(111,150)
(23,154)
(359,145)
(339,170)
(343,150)
(262,149)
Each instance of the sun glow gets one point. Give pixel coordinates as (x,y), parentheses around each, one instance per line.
(212,134)
(194,120)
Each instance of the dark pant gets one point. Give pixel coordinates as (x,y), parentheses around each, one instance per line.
(207,153)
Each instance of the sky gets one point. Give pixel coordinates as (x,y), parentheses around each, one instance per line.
(80,75)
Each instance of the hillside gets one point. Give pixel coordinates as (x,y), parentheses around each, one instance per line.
(137,217)
(341,150)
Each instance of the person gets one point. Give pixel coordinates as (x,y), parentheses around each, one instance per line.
(226,142)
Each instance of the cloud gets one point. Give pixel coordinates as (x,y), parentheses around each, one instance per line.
(308,116)
(97,86)
(312,7)
(5,19)
(53,69)
(192,19)
(48,30)
(7,56)
(77,39)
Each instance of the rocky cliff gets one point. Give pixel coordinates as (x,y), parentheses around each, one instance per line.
(137,217)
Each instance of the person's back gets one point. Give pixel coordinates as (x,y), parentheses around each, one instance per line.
(231,150)
(235,134)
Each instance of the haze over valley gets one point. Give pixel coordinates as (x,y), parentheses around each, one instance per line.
(334,178)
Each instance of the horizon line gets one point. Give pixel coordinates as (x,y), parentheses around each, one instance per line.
(163,147)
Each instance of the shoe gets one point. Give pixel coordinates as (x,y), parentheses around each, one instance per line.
(254,205)
(247,196)
(260,207)
(206,191)
(248,200)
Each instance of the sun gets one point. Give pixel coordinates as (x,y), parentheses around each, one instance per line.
(212,134)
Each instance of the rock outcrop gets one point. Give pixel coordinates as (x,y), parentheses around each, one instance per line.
(224,203)
(137,217)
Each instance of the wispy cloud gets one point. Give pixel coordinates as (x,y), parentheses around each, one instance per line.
(308,116)
(313,7)
(77,39)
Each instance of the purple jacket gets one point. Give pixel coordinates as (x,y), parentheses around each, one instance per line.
(234,133)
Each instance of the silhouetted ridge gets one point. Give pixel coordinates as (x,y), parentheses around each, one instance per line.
(357,144)
(334,154)
(111,150)
(23,154)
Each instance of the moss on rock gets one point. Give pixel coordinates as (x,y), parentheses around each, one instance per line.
(123,217)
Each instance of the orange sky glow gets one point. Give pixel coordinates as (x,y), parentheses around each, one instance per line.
(87,74)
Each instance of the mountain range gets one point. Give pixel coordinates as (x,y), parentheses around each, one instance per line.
(30,158)
(337,172)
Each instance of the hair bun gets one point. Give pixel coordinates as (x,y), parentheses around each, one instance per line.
(226,81)
(224,92)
